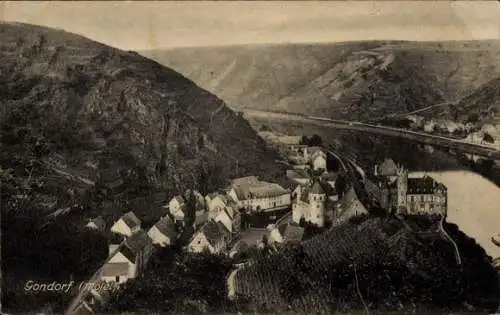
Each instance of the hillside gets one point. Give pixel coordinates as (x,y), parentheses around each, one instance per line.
(483,105)
(359,80)
(87,115)
(87,129)
(387,264)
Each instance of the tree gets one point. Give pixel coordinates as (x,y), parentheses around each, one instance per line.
(340,185)
(191,203)
(313,141)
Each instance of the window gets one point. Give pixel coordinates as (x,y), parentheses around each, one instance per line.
(117,279)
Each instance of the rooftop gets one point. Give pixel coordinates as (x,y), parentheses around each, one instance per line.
(114,269)
(317,189)
(423,186)
(166,226)
(291,233)
(290,140)
(214,232)
(387,168)
(258,189)
(131,219)
(134,244)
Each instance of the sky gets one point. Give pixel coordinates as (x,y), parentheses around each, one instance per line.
(169,24)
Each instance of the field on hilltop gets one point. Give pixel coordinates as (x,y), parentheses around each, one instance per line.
(358,80)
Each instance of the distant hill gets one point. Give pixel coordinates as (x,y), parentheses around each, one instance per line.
(482,105)
(84,124)
(358,80)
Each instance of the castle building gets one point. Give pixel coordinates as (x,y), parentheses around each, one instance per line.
(411,195)
(309,204)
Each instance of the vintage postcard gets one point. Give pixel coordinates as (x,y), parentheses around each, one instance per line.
(250,157)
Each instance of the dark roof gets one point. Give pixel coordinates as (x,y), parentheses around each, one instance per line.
(245,180)
(291,233)
(316,189)
(387,168)
(134,244)
(347,202)
(330,176)
(214,232)
(166,226)
(131,219)
(421,186)
(258,189)
(114,269)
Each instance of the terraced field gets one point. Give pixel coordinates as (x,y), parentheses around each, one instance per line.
(379,263)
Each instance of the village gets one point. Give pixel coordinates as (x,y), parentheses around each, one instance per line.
(316,195)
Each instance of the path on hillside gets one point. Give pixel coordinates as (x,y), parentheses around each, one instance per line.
(430,107)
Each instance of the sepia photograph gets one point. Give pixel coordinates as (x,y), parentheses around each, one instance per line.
(250,157)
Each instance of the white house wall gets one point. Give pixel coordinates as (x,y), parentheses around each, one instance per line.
(199,243)
(267,203)
(158,237)
(226,220)
(120,227)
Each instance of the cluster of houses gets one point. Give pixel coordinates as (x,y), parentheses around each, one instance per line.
(486,134)
(409,195)
(215,218)
(314,198)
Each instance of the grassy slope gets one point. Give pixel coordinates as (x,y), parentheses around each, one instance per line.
(350,80)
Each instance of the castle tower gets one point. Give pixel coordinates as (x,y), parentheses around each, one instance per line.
(402,187)
(317,199)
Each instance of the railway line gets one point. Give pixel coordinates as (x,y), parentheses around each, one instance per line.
(484,150)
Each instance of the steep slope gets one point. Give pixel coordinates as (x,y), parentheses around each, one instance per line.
(346,80)
(483,105)
(81,121)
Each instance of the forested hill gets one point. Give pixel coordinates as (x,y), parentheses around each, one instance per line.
(357,80)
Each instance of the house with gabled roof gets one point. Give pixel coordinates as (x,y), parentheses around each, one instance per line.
(128,259)
(231,218)
(177,208)
(97,223)
(212,237)
(163,232)
(254,195)
(127,224)
(289,233)
(350,206)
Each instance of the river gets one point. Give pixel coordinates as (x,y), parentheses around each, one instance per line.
(473,204)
